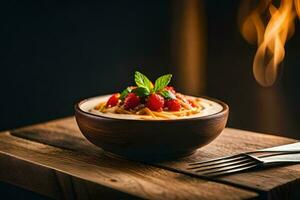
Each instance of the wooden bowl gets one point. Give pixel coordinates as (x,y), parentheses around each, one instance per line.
(151,139)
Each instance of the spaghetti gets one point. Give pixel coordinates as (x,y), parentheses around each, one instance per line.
(145,113)
(151,101)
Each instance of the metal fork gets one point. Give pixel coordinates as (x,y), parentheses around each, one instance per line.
(243,161)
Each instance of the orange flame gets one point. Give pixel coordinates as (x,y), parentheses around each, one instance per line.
(297,6)
(270,38)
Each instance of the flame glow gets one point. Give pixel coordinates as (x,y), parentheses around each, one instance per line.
(270,37)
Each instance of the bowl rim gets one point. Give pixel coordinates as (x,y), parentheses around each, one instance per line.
(224,111)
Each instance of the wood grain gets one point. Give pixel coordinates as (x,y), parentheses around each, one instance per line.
(51,182)
(272,183)
(66,173)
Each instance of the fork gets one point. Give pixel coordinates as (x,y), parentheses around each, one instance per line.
(244,161)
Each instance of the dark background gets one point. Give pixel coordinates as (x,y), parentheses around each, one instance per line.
(54,53)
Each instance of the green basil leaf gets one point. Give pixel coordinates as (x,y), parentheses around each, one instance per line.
(167,94)
(142,81)
(141,91)
(125,92)
(162,82)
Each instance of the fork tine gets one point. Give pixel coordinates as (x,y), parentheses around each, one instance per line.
(237,155)
(223,164)
(228,168)
(217,162)
(232,170)
(235,163)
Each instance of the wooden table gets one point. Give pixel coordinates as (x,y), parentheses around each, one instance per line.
(53,159)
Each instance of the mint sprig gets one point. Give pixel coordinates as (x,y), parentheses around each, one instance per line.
(167,94)
(141,91)
(145,86)
(162,82)
(125,92)
(142,81)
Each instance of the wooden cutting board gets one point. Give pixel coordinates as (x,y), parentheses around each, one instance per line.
(55,160)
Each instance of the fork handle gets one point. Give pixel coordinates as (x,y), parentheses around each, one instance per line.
(276,159)
(274,151)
